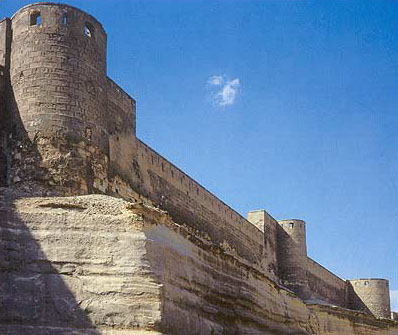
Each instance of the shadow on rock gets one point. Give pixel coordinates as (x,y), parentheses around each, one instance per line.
(34,298)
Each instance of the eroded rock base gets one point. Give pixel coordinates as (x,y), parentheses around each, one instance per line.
(95,264)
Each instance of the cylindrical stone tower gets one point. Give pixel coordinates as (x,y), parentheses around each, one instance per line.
(371,295)
(58,81)
(292,256)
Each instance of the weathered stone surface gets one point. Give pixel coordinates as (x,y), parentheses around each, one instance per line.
(99,265)
(77,262)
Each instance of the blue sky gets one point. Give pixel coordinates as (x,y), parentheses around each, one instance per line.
(290,106)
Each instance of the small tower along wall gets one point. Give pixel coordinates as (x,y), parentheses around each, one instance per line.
(371,296)
(269,226)
(292,257)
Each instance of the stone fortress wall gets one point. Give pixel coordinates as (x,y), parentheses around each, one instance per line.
(324,284)
(69,128)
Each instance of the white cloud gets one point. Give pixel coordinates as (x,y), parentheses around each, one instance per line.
(223,91)
(394,300)
(215,80)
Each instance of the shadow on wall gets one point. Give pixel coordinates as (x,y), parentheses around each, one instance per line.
(33,293)
(20,156)
(34,161)
(354,301)
(3,165)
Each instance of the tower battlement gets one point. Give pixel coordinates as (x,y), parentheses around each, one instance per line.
(68,129)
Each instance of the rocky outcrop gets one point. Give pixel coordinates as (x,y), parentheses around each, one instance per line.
(100,265)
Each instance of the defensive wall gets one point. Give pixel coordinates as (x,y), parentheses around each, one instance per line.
(68,129)
(324,284)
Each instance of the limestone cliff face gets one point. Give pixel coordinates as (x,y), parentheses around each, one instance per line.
(99,265)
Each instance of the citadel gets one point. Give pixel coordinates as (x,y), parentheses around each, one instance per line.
(102,235)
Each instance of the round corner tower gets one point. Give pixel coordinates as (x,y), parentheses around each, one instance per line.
(57,120)
(371,295)
(292,256)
